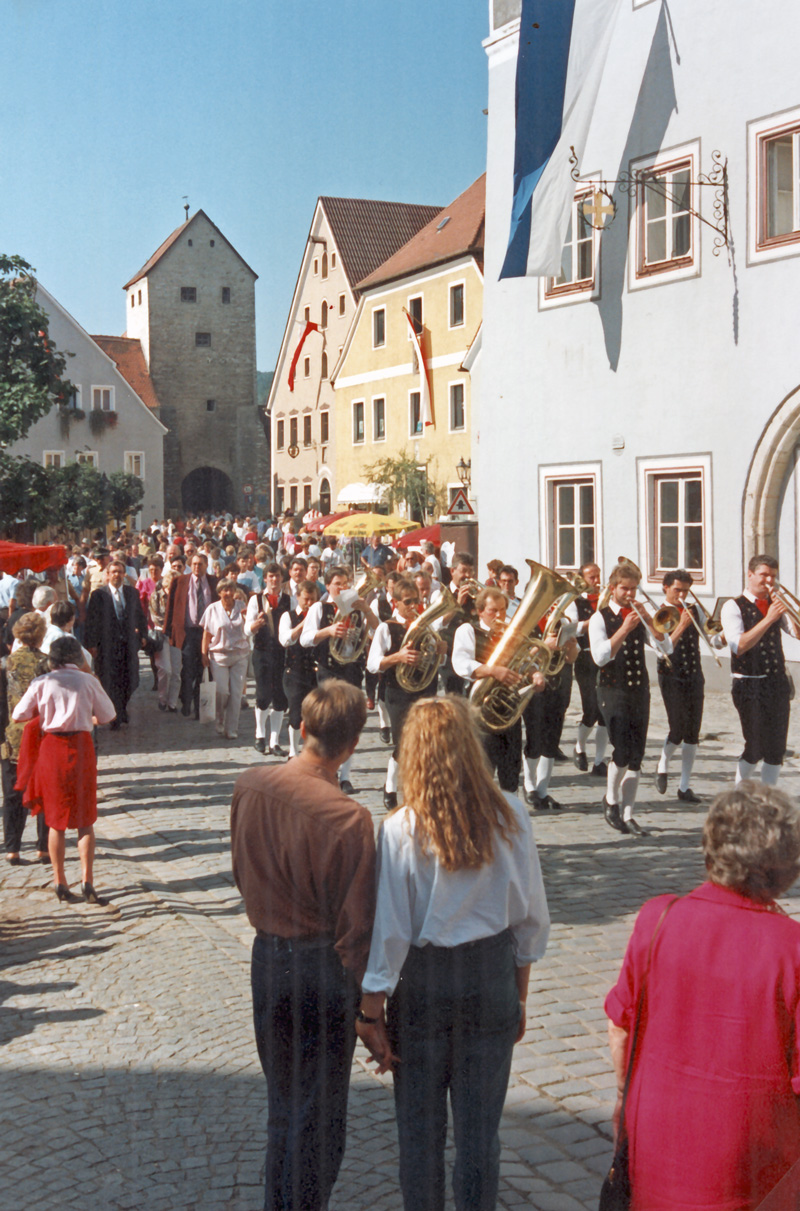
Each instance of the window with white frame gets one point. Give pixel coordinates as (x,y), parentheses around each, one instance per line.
(457,413)
(379,419)
(358,422)
(103,399)
(675,517)
(414,414)
(456,305)
(665,229)
(774,175)
(292,431)
(307,429)
(134,463)
(378,327)
(574,522)
(415,312)
(577,276)
(87,458)
(279,439)
(53,458)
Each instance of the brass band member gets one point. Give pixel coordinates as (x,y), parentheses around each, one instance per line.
(682,687)
(462,586)
(385,654)
(262,623)
(752,624)
(617,635)
(300,666)
(581,611)
(544,721)
(472,647)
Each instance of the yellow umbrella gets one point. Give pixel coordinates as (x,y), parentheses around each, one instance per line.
(359,525)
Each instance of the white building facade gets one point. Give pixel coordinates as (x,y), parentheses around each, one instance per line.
(646,402)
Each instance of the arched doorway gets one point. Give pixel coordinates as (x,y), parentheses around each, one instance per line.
(207,490)
(324,497)
(768,475)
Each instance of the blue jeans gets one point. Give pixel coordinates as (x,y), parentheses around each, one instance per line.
(303,1010)
(453,1020)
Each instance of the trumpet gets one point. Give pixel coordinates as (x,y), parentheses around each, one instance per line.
(790,603)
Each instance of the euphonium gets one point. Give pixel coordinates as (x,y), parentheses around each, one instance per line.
(348,647)
(519,649)
(577,586)
(423,639)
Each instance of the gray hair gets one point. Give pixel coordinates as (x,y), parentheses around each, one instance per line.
(43,597)
(751,841)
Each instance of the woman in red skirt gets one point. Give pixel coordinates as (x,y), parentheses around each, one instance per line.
(57,768)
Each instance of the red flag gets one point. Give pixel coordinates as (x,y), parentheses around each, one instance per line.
(310,327)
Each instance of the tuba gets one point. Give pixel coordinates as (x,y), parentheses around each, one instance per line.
(413,678)
(347,648)
(577,586)
(498,705)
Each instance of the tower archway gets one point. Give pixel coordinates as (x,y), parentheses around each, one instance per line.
(207,490)
(767,476)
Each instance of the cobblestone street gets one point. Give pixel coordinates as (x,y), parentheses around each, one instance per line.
(130,1076)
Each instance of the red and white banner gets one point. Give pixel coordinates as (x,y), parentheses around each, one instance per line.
(310,327)
(425,409)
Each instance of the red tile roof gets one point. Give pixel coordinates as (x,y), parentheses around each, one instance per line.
(128,355)
(455,231)
(367,232)
(170,240)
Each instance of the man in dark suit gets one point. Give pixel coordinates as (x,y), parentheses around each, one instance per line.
(114,632)
(187,601)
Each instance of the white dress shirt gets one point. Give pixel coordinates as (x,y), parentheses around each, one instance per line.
(600,643)
(312,624)
(420,903)
(381,644)
(463,660)
(285,630)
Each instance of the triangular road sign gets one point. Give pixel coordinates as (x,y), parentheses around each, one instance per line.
(460,506)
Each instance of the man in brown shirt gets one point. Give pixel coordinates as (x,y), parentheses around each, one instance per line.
(304,861)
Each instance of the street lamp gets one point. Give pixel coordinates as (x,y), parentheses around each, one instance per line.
(464,471)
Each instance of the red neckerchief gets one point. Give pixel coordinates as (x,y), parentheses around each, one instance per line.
(762,604)
(272,598)
(593,599)
(625,611)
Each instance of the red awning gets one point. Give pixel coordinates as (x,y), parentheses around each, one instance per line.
(320,523)
(415,537)
(14,556)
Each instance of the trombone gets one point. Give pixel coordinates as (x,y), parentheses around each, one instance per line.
(709,627)
(790,603)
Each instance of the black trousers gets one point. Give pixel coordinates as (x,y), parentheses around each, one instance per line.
(15,815)
(763,707)
(544,722)
(626,714)
(586,677)
(268,673)
(353,674)
(504,750)
(192,667)
(683,701)
(295,688)
(398,704)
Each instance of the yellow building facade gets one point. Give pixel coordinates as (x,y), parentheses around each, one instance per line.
(437,280)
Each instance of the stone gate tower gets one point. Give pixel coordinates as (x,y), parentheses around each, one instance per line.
(192,306)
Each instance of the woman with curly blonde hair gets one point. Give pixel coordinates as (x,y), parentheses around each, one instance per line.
(461,915)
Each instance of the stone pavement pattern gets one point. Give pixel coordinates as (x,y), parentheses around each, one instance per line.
(130,1077)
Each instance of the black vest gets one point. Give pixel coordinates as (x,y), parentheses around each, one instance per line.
(322,650)
(301,662)
(585,612)
(627,670)
(685,657)
(397,633)
(766,658)
(266,640)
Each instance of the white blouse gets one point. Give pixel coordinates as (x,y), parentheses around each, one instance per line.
(229,643)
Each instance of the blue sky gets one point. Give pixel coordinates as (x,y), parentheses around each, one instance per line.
(111,112)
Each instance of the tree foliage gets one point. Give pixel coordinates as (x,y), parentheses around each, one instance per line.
(32,371)
(125,494)
(406,483)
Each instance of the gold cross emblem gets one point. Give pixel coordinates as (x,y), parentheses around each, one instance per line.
(598,208)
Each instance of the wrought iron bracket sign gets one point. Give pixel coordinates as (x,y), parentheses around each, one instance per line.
(600,210)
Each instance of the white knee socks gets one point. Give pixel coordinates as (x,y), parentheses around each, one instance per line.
(294,741)
(744,770)
(615,776)
(391,776)
(628,789)
(687,762)
(600,744)
(529,774)
(584,733)
(344,770)
(275,722)
(543,771)
(261,724)
(383,714)
(770,774)
(667,752)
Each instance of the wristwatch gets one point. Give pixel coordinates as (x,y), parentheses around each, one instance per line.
(362,1017)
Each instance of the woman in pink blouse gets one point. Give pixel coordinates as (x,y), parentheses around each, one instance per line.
(226,651)
(57,769)
(712,1113)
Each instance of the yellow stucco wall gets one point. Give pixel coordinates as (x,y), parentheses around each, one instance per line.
(368,374)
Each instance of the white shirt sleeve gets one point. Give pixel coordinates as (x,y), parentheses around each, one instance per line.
(285,631)
(571,613)
(464,662)
(732,624)
(312,624)
(381,642)
(599,642)
(251,615)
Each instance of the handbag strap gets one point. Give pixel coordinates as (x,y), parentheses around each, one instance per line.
(639,1007)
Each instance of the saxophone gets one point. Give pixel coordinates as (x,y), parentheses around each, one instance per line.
(499,705)
(413,678)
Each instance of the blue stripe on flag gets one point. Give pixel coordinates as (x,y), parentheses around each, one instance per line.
(544,37)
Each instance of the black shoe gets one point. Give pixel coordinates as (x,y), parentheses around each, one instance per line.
(530,798)
(173,710)
(44,860)
(581,761)
(63,893)
(162,706)
(186,710)
(386,735)
(347,788)
(390,800)
(549,804)
(661,784)
(689,796)
(276,751)
(261,744)
(14,860)
(636,829)
(91,896)
(560,757)
(611,813)
(600,771)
